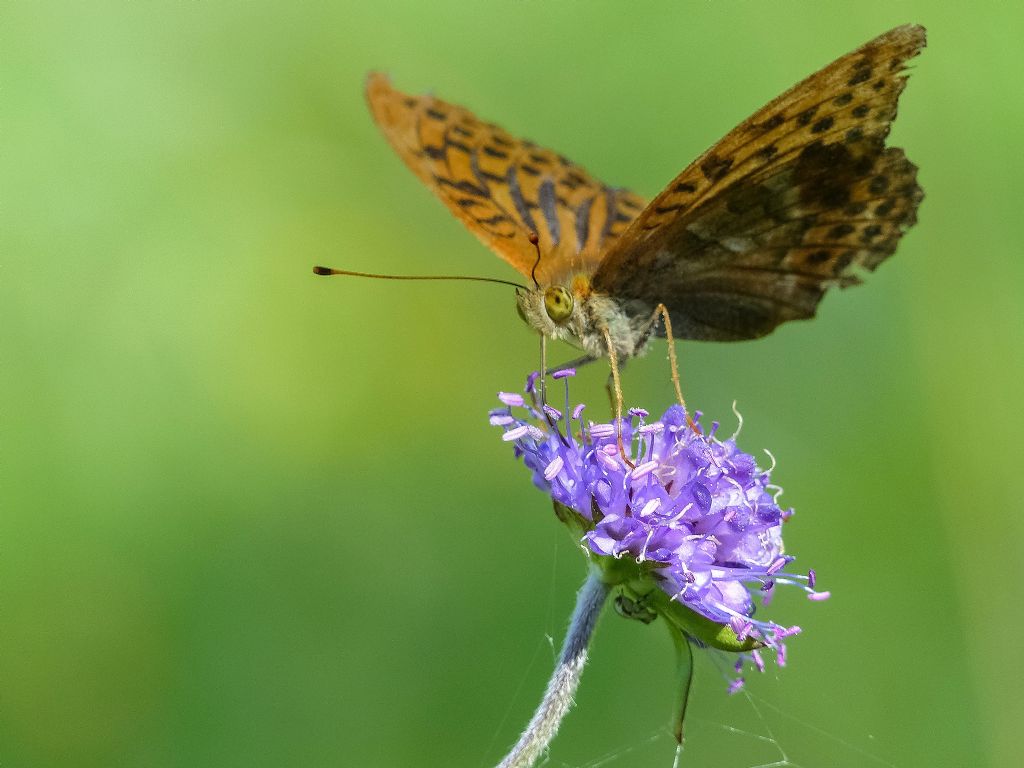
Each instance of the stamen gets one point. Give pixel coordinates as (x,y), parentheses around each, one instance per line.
(736,685)
(758,661)
(515,434)
(601,431)
(812,578)
(649,508)
(535,433)
(643,470)
(777,565)
(739,419)
(501,419)
(553,412)
(552,470)
(607,461)
(639,412)
(650,534)
(531,381)
(563,373)
(578,411)
(817,596)
(684,510)
(511,398)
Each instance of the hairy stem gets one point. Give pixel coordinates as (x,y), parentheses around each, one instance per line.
(566,677)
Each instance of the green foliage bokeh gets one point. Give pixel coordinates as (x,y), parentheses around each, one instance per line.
(251,517)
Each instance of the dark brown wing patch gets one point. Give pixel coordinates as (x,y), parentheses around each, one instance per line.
(789,203)
(763,254)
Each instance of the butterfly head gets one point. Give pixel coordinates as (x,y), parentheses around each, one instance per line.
(555,310)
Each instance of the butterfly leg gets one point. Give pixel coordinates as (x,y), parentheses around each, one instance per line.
(612,388)
(578,362)
(662,311)
(616,390)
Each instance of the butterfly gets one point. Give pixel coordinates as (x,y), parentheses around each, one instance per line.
(802,196)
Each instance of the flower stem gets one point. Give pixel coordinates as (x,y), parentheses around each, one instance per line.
(566,677)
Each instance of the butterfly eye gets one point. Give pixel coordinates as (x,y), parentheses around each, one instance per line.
(558,303)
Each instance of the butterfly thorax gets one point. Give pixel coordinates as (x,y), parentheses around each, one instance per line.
(573,312)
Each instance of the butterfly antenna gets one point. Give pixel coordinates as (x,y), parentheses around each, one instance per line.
(535,242)
(331,271)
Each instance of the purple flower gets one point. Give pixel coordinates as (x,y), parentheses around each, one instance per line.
(686,521)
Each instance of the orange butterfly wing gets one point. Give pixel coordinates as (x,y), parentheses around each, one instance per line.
(503,188)
(789,203)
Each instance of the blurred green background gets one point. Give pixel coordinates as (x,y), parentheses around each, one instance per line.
(255,518)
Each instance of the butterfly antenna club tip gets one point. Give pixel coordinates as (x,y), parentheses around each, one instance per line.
(534,239)
(323,271)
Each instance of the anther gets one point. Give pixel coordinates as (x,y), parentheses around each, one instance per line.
(552,470)
(515,434)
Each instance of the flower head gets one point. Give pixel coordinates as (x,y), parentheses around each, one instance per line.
(686,520)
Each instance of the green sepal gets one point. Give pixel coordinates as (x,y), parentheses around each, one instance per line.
(700,628)
(684,680)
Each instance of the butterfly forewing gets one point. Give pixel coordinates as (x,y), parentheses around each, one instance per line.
(503,188)
(790,202)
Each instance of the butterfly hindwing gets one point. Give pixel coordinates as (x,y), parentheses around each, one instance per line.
(501,187)
(789,203)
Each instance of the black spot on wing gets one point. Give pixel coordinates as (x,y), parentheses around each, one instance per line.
(466,187)
(879,185)
(823,125)
(583,223)
(715,167)
(861,73)
(840,231)
(805,117)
